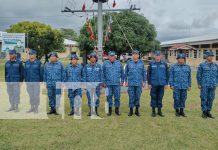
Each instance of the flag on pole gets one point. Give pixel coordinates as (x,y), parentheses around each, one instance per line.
(92,36)
(89,27)
(114,4)
(84,7)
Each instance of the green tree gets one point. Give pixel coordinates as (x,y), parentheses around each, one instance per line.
(138,30)
(41,37)
(69,34)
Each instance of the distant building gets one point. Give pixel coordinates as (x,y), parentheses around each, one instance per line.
(193,47)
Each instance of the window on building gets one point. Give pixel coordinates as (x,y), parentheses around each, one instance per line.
(217,55)
(195,53)
(190,54)
(174,53)
(187,53)
(205,46)
(215,45)
(199,53)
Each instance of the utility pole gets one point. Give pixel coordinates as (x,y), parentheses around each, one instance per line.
(100,22)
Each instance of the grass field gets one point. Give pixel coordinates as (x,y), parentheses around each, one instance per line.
(114,132)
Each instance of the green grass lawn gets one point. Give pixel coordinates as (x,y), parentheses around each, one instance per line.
(114,132)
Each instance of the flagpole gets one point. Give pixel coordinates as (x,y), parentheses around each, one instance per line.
(100,32)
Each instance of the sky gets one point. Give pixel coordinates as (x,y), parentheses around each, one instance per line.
(173,19)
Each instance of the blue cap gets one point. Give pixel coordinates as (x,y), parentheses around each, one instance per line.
(135,51)
(74,56)
(53,54)
(12,51)
(33,52)
(92,54)
(157,53)
(181,55)
(208,53)
(112,53)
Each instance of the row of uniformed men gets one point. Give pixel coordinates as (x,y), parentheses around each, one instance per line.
(112,75)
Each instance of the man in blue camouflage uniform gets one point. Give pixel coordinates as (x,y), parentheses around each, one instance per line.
(74,74)
(135,79)
(53,73)
(207,78)
(93,73)
(33,73)
(158,76)
(113,77)
(13,76)
(180,83)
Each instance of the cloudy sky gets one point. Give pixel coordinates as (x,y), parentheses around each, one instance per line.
(173,18)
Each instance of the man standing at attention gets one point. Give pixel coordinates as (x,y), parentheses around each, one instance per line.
(207,78)
(93,73)
(74,75)
(135,79)
(53,73)
(113,77)
(180,82)
(14,75)
(158,76)
(33,74)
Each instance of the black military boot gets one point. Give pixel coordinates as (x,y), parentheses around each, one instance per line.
(72,112)
(153,112)
(182,113)
(117,112)
(160,112)
(55,112)
(96,111)
(51,111)
(31,109)
(16,109)
(130,112)
(137,112)
(36,111)
(177,113)
(109,111)
(204,115)
(209,115)
(11,108)
(90,112)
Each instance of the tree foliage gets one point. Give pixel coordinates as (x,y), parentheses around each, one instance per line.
(138,30)
(41,37)
(69,34)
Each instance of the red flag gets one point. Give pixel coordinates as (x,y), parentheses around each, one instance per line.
(114,4)
(89,28)
(92,36)
(84,7)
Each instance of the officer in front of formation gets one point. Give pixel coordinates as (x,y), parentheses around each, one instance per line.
(14,74)
(93,73)
(135,79)
(33,73)
(74,74)
(113,78)
(207,78)
(180,83)
(158,76)
(53,73)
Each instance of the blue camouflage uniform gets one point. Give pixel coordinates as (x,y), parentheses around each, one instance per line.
(180,79)
(93,73)
(74,74)
(135,76)
(158,76)
(33,73)
(113,74)
(207,78)
(14,74)
(53,73)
